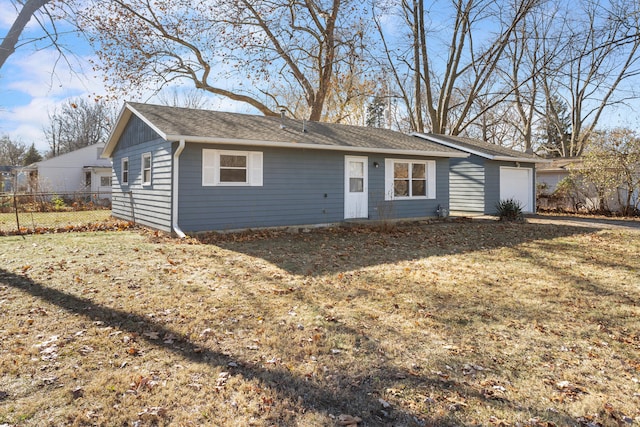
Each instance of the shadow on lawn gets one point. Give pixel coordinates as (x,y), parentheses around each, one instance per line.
(327,251)
(585,285)
(349,394)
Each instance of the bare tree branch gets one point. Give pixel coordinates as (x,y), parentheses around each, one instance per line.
(9,42)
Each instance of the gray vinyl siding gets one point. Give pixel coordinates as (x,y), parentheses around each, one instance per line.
(148,205)
(475,184)
(492,188)
(467,180)
(380,209)
(299,187)
(136,132)
(492,193)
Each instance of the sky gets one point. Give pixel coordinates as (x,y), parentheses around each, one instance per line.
(35,81)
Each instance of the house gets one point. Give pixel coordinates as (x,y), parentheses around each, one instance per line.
(581,194)
(79,171)
(7,178)
(550,174)
(489,174)
(186,170)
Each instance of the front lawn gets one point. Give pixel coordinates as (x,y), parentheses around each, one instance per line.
(471,323)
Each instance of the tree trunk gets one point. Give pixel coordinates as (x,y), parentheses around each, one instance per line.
(416,63)
(8,45)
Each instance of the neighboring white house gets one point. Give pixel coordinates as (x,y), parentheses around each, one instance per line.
(583,196)
(549,175)
(78,171)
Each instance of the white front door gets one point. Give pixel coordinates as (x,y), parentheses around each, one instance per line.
(517,183)
(356,202)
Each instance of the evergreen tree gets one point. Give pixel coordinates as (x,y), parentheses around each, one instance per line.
(375,112)
(31,156)
(555,129)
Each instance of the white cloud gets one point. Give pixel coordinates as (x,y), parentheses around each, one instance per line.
(8,14)
(29,134)
(30,90)
(25,123)
(44,73)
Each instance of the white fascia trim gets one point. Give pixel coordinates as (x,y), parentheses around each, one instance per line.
(520,159)
(174,198)
(259,143)
(121,122)
(148,122)
(452,145)
(481,154)
(115,133)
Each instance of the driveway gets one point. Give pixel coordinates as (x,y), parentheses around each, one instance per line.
(587,222)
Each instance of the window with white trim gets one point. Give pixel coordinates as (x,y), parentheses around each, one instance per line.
(125,171)
(410,179)
(146,169)
(105,181)
(231,168)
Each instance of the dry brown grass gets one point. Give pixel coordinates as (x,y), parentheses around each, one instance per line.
(444,324)
(39,221)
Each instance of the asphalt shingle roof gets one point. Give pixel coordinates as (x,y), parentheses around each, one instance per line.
(562,164)
(186,122)
(487,148)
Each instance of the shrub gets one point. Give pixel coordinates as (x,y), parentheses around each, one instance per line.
(509,210)
(58,203)
(542,189)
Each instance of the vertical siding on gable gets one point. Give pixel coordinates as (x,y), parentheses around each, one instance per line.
(299,187)
(146,205)
(467,181)
(136,132)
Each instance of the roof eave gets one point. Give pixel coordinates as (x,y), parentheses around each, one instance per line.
(551,170)
(520,159)
(480,153)
(281,144)
(96,167)
(116,132)
(451,145)
(121,123)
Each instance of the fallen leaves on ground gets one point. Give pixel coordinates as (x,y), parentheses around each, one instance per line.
(428,324)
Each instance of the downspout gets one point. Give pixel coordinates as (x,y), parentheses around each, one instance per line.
(174,197)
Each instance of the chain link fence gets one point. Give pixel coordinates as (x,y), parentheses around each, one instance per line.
(36,212)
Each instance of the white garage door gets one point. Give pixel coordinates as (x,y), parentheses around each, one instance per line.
(517,183)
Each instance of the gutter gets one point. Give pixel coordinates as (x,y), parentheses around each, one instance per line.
(174,193)
(520,159)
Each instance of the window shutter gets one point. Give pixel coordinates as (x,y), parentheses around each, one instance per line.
(431,179)
(388,179)
(255,169)
(209,159)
